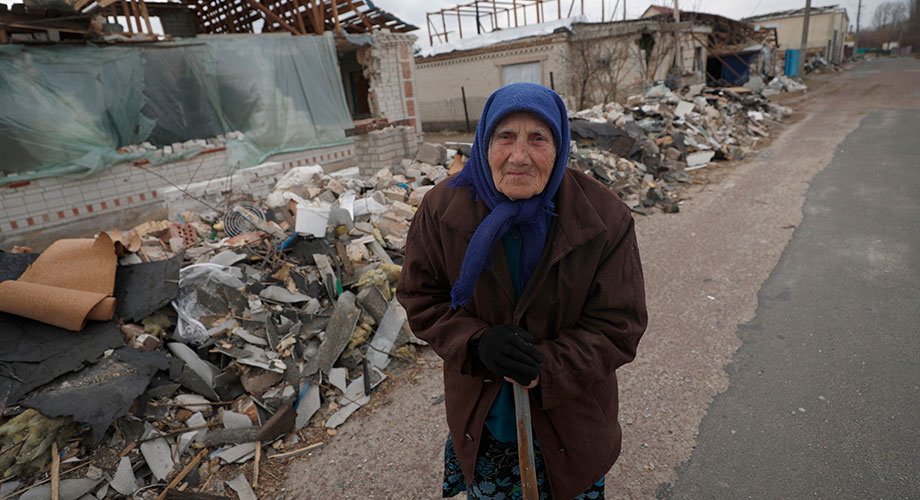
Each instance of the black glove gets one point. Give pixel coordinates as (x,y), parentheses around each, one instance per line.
(506,351)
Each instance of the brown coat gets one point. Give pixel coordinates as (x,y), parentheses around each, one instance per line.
(585,303)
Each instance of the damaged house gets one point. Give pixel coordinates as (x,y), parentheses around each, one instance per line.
(587,63)
(96,124)
(827,32)
(736,50)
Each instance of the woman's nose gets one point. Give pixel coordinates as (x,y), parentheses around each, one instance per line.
(519,152)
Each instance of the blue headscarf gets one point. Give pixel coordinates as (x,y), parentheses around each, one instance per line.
(529,214)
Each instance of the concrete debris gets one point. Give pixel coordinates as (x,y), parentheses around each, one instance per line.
(277,294)
(308,405)
(338,333)
(242,488)
(239,453)
(781,84)
(699,159)
(69,489)
(157,454)
(432,154)
(382,343)
(234,420)
(236,326)
(124,481)
(353,399)
(249,324)
(645,150)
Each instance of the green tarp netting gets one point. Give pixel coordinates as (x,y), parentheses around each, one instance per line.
(67,110)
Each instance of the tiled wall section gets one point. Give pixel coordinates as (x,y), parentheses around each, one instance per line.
(55,201)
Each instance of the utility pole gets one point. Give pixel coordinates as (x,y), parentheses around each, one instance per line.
(678,60)
(804,40)
(858,12)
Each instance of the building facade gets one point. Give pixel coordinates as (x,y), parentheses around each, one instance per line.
(586,63)
(827,30)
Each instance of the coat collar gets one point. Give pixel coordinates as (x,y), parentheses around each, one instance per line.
(577,220)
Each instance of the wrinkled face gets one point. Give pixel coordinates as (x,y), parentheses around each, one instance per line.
(521,156)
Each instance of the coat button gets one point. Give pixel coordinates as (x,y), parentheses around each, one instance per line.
(468,437)
(488,381)
(561,450)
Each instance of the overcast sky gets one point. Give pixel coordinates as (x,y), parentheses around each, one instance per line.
(413,11)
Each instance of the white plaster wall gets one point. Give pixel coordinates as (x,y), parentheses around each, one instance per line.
(440,82)
(820,30)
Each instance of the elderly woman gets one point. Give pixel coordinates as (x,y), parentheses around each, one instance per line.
(520,270)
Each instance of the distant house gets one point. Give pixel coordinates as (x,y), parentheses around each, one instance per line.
(586,63)
(827,30)
(736,49)
(657,10)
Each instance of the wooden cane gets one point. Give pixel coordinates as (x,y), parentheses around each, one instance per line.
(525,443)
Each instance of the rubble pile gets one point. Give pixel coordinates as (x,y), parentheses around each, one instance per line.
(251,330)
(644,150)
(240,335)
(178,147)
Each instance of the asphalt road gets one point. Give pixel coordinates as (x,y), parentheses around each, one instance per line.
(823,397)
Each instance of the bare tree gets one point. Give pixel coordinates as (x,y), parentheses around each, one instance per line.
(890,15)
(893,21)
(600,68)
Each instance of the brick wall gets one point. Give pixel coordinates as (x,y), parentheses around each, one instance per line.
(385,148)
(390,69)
(55,202)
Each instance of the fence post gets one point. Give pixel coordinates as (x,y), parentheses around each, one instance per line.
(466,112)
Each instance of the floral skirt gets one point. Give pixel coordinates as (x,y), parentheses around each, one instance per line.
(498,475)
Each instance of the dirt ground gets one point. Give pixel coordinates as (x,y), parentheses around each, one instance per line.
(703,269)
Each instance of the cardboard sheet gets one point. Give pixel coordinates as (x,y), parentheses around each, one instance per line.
(70,282)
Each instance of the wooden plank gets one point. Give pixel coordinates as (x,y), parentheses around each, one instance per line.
(271,15)
(124,10)
(300,24)
(137,16)
(55,472)
(309,12)
(188,468)
(255,466)
(79,4)
(319,17)
(367,24)
(44,28)
(146,16)
(293,16)
(335,14)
